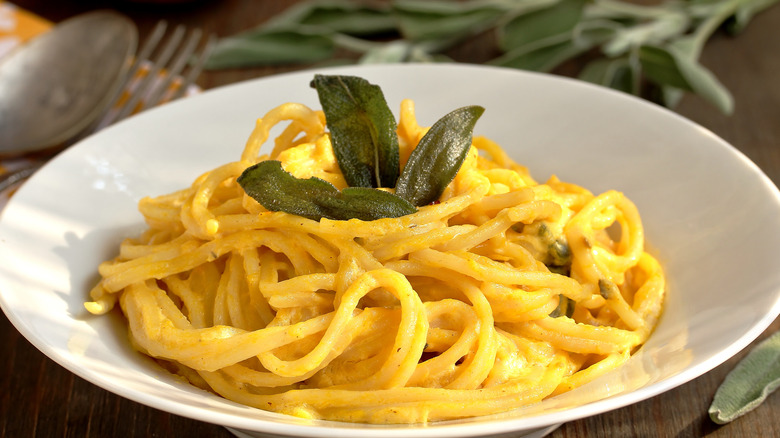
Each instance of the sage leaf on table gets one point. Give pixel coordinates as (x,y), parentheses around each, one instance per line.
(362,130)
(432,165)
(430,20)
(660,42)
(669,66)
(345,16)
(613,73)
(749,383)
(272,46)
(539,24)
(314,198)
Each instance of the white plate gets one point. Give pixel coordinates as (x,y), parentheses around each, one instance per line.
(711,216)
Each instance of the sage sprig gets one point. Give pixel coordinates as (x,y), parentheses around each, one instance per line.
(648,50)
(365,143)
(749,383)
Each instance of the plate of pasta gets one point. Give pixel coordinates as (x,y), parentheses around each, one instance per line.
(427,250)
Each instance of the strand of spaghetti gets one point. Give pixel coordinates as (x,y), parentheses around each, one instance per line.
(301,283)
(190,300)
(164,251)
(310,121)
(407,348)
(252,277)
(491,204)
(400,405)
(616,302)
(566,334)
(210,348)
(195,214)
(609,363)
(477,366)
(207,252)
(365,355)
(439,371)
(129,250)
(484,269)
(387,248)
(506,303)
(579,233)
(524,213)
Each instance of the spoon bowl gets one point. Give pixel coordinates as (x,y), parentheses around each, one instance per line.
(57,84)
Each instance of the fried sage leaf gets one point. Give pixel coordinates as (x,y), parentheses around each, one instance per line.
(438,157)
(362,130)
(365,204)
(278,190)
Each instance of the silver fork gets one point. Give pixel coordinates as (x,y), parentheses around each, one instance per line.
(150,90)
(176,58)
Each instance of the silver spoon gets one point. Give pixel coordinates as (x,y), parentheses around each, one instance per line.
(57,84)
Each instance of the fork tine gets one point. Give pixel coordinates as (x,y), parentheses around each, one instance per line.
(146,84)
(178,65)
(196,68)
(146,50)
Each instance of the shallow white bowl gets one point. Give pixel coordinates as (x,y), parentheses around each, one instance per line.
(711,216)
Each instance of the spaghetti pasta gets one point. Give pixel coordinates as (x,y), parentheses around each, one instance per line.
(503,293)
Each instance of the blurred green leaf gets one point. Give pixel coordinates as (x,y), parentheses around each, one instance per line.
(539,24)
(653,32)
(612,73)
(662,40)
(745,387)
(546,54)
(349,17)
(428,20)
(277,46)
(670,67)
(541,58)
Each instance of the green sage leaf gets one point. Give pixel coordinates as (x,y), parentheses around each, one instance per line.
(546,54)
(344,16)
(436,160)
(278,190)
(362,130)
(749,383)
(613,73)
(669,66)
(540,24)
(277,46)
(429,20)
(537,57)
(365,204)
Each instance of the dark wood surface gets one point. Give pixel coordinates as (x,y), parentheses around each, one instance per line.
(39,398)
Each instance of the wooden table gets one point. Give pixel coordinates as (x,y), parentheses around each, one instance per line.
(40,398)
